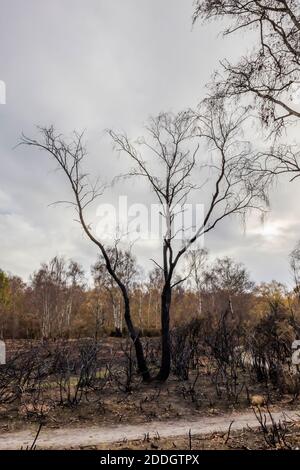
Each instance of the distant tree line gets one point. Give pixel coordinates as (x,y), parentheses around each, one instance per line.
(58,302)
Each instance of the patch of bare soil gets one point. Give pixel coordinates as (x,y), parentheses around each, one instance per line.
(245,439)
(227,431)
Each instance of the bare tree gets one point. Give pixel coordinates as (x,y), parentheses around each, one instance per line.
(196,261)
(76,286)
(154,287)
(271,72)
(57,292)
(227,283)
(295,266)
(4,299)
(228,276)
(126,269)
(174,144)
(49,284)
(69,156)
(268,77)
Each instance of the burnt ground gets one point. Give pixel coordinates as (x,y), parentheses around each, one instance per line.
(115,403)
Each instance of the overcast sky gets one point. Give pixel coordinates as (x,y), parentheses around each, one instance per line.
(98,64)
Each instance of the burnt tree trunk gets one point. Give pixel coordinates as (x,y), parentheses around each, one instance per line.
(140,357)
(165,367)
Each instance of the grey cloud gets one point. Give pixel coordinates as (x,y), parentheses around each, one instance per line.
(92,65)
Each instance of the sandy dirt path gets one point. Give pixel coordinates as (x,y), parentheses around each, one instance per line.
(68,438)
